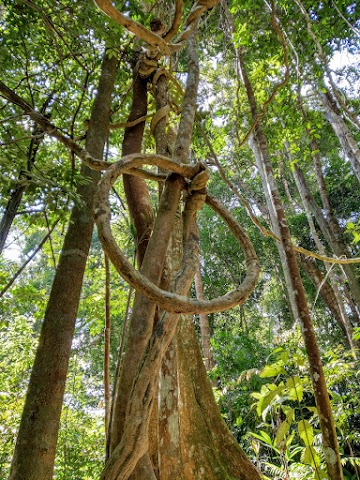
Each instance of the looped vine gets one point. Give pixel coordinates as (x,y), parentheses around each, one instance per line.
(169,301)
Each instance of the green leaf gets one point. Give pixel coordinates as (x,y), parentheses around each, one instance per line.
(282,431)
(266,400)
(306,432)
(272,370)
(263,436)
(289,412)
(295,388)
(310,457)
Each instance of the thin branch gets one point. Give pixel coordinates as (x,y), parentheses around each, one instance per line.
(115,126)
(199,7)
(355,30)
(278,86)
(267,232)
(51,27)
(50,239)
(129,162)
(28,260)
(350,116)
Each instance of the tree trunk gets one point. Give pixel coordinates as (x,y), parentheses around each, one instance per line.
(168,441)
(24,177)
(260,148)
(204,325)
(36,442)
(333,235)
(328,294)
(342,131)
(146,351)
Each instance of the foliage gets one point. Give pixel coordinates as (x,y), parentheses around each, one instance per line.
(288,438)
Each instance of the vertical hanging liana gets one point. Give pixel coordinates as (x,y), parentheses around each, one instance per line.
(107,336)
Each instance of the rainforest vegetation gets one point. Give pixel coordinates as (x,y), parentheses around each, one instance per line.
(179,240)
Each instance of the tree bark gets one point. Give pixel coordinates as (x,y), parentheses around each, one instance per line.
(209,450)
(204,325)
(136,192)
(260,148)
(342,131)
(328,294)
(147,344)
(36,442)
(18,192)
(332,234)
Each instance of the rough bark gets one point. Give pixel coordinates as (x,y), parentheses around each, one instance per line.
(36,442)
(141,214)
(147,344)
(204,325)
(327,426)
(141,322)
(142,318)
(168,441)
(137,194)
(209,450)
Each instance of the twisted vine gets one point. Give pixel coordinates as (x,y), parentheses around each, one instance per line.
(169,301)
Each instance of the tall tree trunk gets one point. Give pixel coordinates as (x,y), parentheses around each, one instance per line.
(137,194)
(260,148)
(332,234)
(36,442)
(24,177)
(327,292)
(142,317)
(330,293)
(342,131)
(209,450)
(330,216)
(168,442)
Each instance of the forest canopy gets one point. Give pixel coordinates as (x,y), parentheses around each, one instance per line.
(179,240)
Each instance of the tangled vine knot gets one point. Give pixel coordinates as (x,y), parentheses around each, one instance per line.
(196,177)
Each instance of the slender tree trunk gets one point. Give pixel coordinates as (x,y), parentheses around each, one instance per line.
(328,294)
(168,443)
(327,426)
(107,337)
(36,442)
(141,321)
(342,131)
(137,194)
(18,192)
(332,234)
